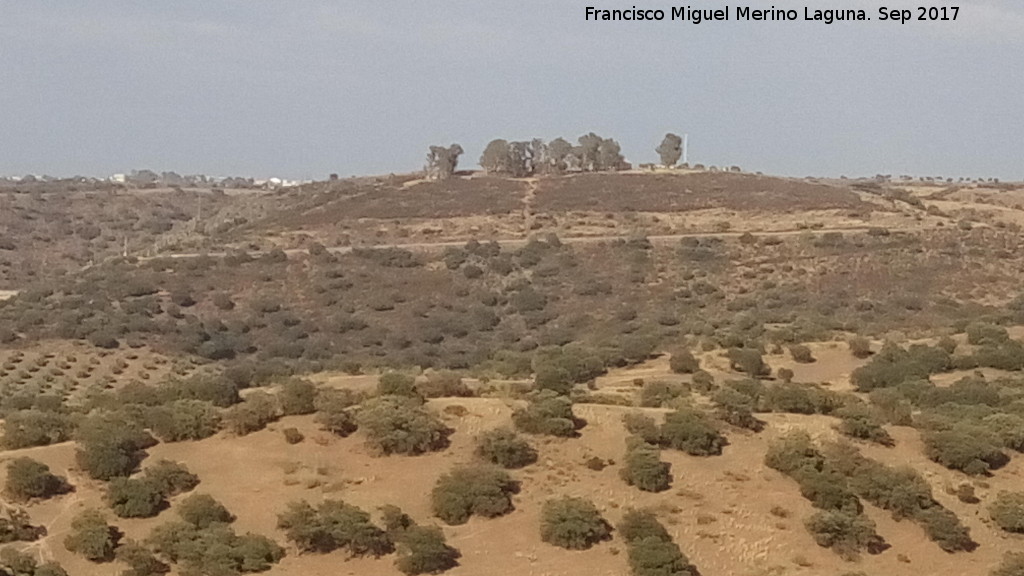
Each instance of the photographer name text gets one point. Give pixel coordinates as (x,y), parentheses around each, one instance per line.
(773,14)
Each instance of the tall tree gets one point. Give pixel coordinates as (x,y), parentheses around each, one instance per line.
(558,152)
(494,160)
(442,162)
(670,150)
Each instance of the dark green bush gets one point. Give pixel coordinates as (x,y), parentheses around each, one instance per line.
(253,415)
(27,428)
(801,353)
(572,523)
(683,362)
(332,525)
(505,448)
(689,431)
(965,447)
(397,384)
(140,560)
(297,396)
(656,557)
(945,529)
(749,362)
(642,426)
(110,445)
(859,421)
(135,498)
(28,478)
(657,394)
(472,490)
(92,537)
(860,347)
(333,411)
(642,467)
(981,333)
(547,413)
(845,533)
(201,510)
(171,478)
(184,420)
(401,425)
(213,551)
(736,408)
(423,550)
(292,435)
(443,384)
(1007,511)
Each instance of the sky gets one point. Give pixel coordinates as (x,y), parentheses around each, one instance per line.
(356,87)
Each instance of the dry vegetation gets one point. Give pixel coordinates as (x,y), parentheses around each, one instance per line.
(619,384)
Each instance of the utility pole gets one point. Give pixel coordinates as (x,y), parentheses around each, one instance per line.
(686,146)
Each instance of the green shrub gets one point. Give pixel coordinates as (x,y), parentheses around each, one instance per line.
(27,428)
(92,537)
(572,523)
(201,510)
(658,394)
(332,525)
(140,560)
(859,421)
(860,347)
(945,529)
(297,396)
(213,551)
(893,366)
(423,550)
(703,381)
(28,478)
(641,524)
(401,425)
(252,415)
(547,413)
(736,408)
(683,362)
(135,498)
(786,375)
(793,452)
(443,384)
(505,448)
(656,557)
(748,361)
(292,435)
(801,353)
(472,490)
(642,426)
(643,468)
(171,478)
(1007,511)
(16,526)
(184,420)
(965,447)
(397,384)
(690,432)
(981,333)
(332,411)
(844,532)
(110,446)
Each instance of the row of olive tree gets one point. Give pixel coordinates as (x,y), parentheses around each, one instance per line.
(592,153)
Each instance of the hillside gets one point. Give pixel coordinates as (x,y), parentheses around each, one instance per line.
(355,340)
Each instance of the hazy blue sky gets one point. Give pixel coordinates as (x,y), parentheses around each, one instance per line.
(304,88)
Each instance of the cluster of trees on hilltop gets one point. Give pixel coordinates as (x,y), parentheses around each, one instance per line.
(518,159)
(592,154)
